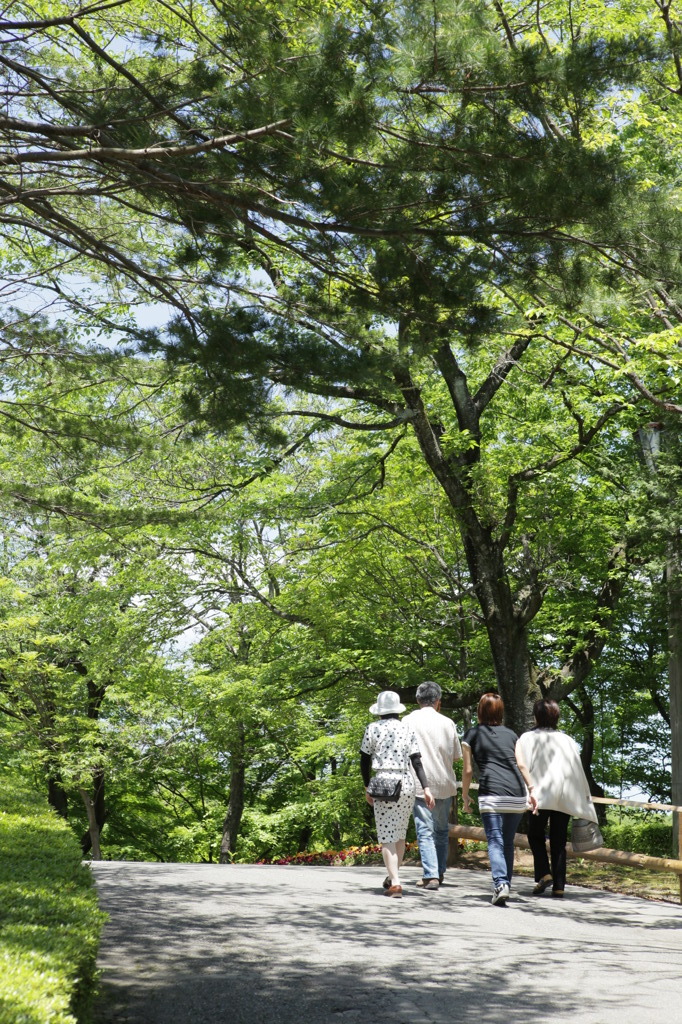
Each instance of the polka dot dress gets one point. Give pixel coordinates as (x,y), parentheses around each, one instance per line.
(390,743)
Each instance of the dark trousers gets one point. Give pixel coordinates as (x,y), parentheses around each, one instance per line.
(558,831)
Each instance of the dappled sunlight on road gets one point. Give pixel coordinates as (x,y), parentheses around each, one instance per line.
(249,944)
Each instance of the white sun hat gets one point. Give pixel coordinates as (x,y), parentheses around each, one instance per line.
(388,703)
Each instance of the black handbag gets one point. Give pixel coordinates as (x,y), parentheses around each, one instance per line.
(384,788)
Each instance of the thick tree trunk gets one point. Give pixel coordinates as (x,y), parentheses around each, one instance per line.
(515,674)
(674,596)
(507,633)
(235,805)
(506,620)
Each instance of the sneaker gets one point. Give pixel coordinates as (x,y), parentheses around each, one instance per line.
(428,883)
(394,890)
(540,886)
(501,894)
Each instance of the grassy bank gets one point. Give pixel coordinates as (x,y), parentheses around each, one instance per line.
(51,921)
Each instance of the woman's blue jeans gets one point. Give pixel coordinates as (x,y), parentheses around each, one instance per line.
(500,830)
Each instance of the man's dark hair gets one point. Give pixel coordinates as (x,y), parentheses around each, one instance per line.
(428,693)
(546,713)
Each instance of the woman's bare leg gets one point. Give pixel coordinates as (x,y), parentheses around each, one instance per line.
(393,859)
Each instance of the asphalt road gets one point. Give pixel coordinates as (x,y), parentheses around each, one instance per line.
(261,944)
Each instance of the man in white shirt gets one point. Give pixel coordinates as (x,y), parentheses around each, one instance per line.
(439,747)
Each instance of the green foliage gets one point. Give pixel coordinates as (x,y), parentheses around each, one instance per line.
(338,570)
(330,815)
(51,923)
(639,834)
(428,308)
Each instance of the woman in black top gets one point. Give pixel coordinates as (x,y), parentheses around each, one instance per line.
(502,793)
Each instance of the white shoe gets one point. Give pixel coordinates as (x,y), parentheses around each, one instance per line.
(501,894)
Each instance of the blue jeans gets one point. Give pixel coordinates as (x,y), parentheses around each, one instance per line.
(432,835)
(500,830)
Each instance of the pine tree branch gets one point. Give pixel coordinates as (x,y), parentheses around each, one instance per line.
(64,20)
(106,153)
(499,373)
(398,421)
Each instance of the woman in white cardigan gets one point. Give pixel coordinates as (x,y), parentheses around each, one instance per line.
(552,759)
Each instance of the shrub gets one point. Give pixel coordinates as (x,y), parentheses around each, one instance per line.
(653,836)
(51,921)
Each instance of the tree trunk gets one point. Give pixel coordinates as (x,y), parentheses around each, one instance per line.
(99,812)
(507,634)
(506,620)
(235,805)
(336,827)
(93,830)
(650,439)
(304,837)
(586,719)
(674,602)
(515,674)
(56,795)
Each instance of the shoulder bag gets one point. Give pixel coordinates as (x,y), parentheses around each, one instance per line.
(385,788)
(585,835)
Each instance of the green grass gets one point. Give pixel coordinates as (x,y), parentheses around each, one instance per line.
(50,919)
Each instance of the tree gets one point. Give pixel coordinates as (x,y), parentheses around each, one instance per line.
(380,220)
(408,187)
(316,576)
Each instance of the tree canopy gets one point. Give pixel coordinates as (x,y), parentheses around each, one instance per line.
(335,339)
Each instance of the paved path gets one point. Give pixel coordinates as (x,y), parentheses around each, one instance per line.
(259,944)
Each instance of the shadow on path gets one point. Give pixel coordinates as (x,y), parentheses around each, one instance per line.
(251,944)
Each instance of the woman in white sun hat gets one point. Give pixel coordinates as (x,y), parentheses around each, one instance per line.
(389,746)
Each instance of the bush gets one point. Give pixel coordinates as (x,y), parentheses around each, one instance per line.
(653,836)
(52,923)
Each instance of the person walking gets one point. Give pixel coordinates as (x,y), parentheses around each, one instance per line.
(552,761)
(390,747)
(440,748)
(504,792)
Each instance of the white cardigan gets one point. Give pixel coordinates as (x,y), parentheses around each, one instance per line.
(553,761)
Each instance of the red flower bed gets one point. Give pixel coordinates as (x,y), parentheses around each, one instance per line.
(352,855)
